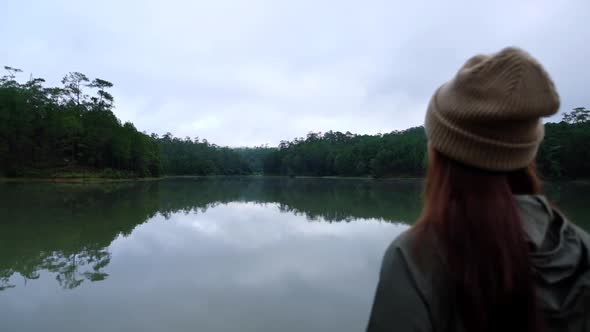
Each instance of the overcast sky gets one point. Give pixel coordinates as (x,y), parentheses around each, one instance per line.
(253,72)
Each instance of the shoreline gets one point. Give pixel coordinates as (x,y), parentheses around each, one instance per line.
(75,180)
(94,180)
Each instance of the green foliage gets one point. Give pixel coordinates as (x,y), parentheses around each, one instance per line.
(577,115)
(255,157)
(400,153)
(194,157)
(565,152)
(46,129)
(63,132)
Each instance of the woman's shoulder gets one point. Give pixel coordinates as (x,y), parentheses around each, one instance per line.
(404,240)
(415,250)
(413,255)
(415,243)
(400,250)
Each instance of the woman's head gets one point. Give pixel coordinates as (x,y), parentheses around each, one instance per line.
(489,115)
(484,129)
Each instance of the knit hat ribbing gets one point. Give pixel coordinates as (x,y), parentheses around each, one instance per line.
(489,115)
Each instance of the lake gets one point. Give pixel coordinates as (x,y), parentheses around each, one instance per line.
(205,254)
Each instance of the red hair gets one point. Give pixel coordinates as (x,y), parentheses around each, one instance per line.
(475,219)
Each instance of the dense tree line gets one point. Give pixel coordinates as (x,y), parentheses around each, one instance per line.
(345,154)
(63,131)
(255,157)
(565,152)
(194,157)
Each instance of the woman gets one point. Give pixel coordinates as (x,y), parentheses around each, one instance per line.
(488,253)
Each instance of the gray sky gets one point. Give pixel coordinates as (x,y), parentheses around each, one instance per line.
(252,72)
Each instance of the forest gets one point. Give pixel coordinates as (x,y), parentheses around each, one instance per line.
(72,131)
(564,153)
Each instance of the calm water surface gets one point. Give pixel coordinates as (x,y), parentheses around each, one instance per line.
(219,254)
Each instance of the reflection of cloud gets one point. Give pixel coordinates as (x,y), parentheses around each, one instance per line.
(255,269)
(249,225)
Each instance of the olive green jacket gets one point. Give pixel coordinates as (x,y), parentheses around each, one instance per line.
(412,297)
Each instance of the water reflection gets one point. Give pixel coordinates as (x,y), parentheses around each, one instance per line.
(66,229)
(225,254)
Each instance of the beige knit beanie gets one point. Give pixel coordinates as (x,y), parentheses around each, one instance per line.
(489,115)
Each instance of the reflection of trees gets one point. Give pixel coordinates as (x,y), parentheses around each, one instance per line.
(69,268)
(331,200)
(5,282)
(67,229)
